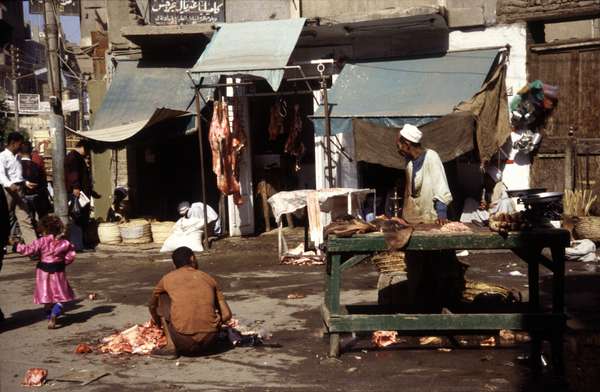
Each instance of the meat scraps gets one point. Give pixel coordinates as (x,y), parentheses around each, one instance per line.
(243,335)
(83,348)
(384,338)
(35,377)
(139,339)
(455,227)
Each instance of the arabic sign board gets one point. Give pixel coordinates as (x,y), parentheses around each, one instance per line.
(29,103)
(177,12)
(65,7)
(68,106)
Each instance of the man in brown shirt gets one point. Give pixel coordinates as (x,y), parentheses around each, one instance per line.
(189,306)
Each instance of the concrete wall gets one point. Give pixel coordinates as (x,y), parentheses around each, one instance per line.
(514,10)
(253,10)
(579,29)
(501,35)
(334,11)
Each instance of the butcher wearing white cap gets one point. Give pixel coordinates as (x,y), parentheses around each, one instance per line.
(426,195)
(435,278)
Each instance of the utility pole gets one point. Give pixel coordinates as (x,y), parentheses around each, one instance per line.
(82,81)
(56,120)
(14,65)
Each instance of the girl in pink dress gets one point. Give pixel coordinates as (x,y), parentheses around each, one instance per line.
(51,286)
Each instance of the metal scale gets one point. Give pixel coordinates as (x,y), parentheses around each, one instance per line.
(540,206)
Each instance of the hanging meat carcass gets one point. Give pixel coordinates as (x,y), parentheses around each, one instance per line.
(275,122)
(238,137)
(294,145)
(225,152)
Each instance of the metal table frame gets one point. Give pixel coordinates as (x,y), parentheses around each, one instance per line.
(344,253)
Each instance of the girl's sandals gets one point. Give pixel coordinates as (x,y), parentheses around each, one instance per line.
(52,322)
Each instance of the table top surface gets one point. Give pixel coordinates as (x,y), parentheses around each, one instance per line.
(429,237)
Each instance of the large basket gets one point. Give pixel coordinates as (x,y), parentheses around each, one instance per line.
(587,227)
(108,233)
(390,261)
(161,231)
(136,231)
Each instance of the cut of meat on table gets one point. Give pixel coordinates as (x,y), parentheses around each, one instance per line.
(455,227)
(225,152)
(384,338)
(139,339)
(35,377)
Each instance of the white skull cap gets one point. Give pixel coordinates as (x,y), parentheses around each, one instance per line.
(411,133)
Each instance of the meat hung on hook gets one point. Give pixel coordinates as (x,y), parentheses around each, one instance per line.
(225,148)
(294,145)
(276,125)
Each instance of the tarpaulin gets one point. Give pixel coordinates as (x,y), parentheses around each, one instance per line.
(423,87)
(140,95)
(450,136)
(260,49)
(490,107)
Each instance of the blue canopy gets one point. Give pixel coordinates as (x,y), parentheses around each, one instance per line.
(141,95)
(395,92)
(260,49)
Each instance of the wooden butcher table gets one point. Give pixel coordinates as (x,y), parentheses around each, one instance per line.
(344,253)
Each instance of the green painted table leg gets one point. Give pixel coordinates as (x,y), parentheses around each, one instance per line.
(332,298)
(533,277)
(334,345)
(333,284)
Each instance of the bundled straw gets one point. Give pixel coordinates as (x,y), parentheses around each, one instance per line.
(578,203)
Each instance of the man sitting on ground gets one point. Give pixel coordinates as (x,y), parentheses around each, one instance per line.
(189,306)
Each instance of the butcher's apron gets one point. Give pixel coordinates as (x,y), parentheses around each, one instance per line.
(430,184)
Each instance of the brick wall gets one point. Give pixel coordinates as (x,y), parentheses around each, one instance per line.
(514,10)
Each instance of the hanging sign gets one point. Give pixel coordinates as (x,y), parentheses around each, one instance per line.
(29,103)
(178,12)
(65,7)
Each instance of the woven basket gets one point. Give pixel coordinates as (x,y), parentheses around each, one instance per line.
(108,233)
(161,231)
(391,261)
(587,227)
(136,231)
(474,289)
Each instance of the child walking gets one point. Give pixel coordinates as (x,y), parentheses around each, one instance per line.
(51,286)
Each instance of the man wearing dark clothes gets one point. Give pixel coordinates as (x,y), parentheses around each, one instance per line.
(189,306)
(36,186)
(78,180)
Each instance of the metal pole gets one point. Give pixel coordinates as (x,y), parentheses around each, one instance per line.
(81,83)
(202,178)
(56,119)
(570,161)
(327,132)
(13,68)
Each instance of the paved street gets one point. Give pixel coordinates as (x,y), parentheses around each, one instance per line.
(256,287)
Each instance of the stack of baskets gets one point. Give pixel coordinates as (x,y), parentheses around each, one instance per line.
(389,262)
(136,231)
(161,231)
(108,233)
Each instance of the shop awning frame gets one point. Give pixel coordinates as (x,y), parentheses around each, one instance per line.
(262,49)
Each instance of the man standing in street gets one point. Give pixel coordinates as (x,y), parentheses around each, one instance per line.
(189,306)
(11,179)
(78,180)
(36,186)
(435,278)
